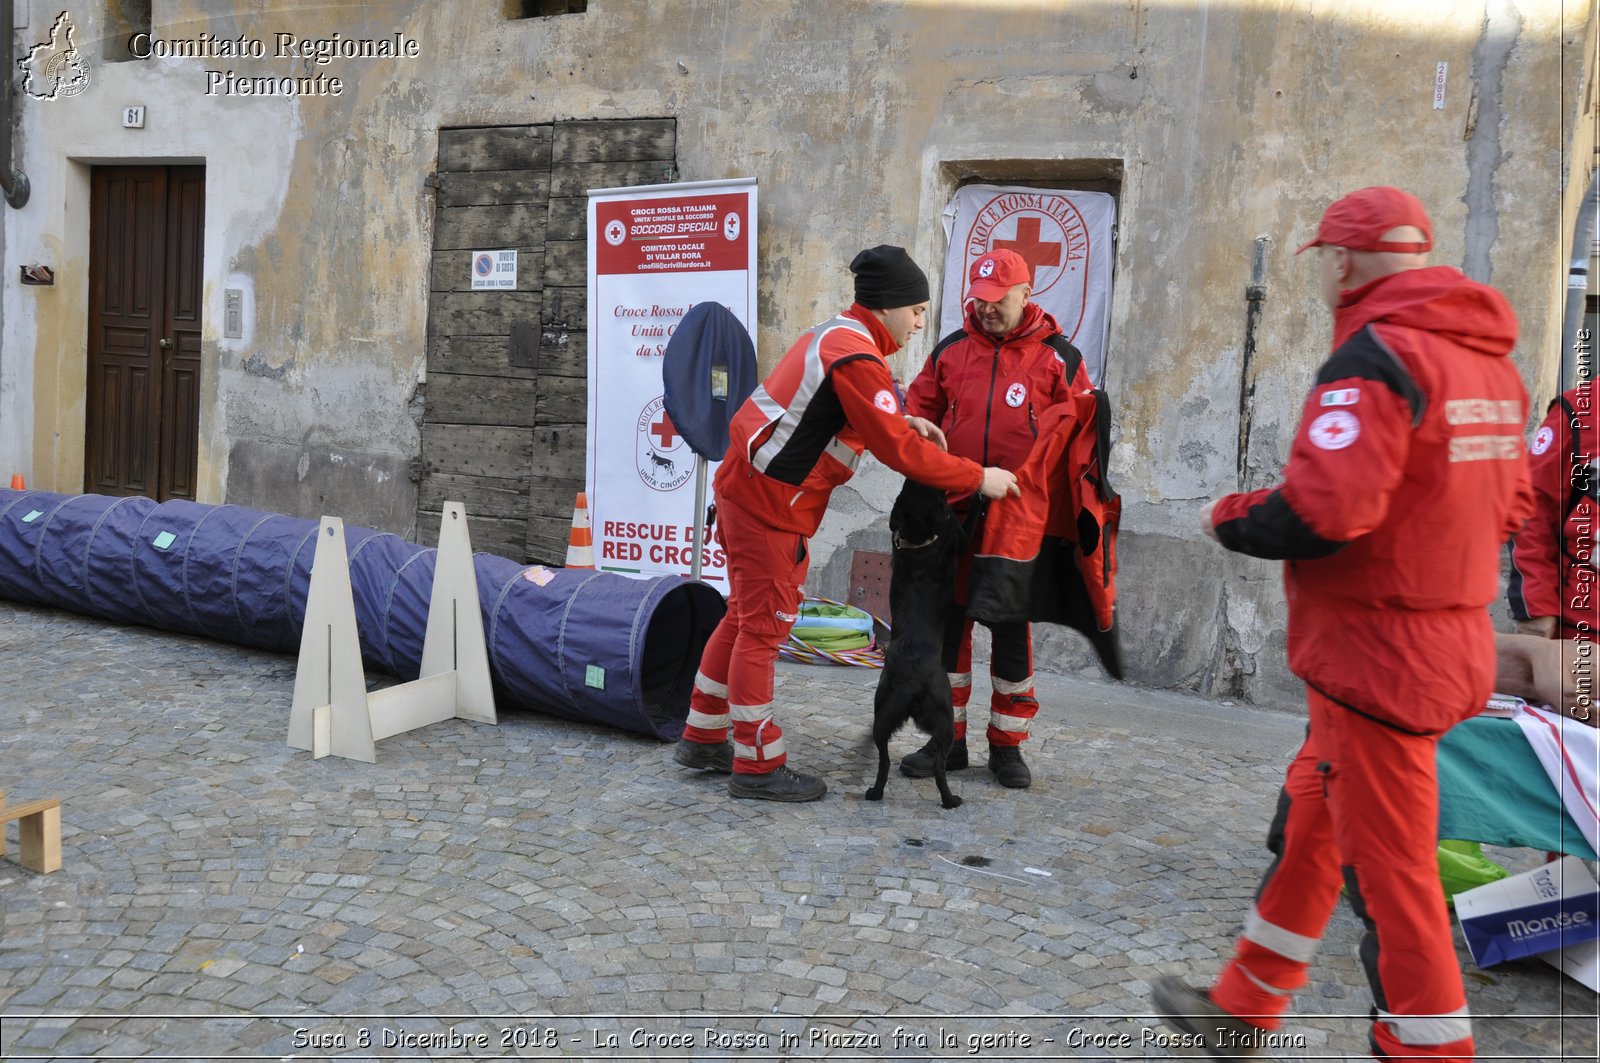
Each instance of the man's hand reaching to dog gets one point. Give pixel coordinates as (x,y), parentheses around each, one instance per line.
(927,430)
(998,483)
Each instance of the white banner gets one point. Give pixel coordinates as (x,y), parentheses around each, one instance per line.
(1064,236)
(654,252)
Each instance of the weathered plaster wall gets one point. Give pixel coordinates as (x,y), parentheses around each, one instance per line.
(1226,121)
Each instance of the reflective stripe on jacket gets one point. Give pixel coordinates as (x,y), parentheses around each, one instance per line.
(802,432)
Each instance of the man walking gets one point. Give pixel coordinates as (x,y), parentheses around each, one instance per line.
(986,386)
(800,435)
(1406,476)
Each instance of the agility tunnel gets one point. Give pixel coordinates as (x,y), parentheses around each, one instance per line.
(579,644)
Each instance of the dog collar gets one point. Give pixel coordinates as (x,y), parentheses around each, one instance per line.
(900,544)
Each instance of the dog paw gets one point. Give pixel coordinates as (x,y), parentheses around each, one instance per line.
(875,794)
(953,801)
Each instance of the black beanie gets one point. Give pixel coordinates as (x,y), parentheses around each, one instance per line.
(886,278)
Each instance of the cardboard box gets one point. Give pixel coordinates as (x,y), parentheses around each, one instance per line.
(1550,908)
(1578,962)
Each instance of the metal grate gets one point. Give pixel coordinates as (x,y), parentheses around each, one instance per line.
(869,583)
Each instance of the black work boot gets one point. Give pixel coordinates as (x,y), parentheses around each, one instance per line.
(1005,763)
(919,765)
(1204,1025)
(784,784)
(705,755)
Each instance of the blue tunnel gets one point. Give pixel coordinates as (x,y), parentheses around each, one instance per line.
(590,646)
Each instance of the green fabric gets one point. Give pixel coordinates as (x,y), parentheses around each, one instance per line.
(1492,789)
(1462,866)
(833,639)
(832,628)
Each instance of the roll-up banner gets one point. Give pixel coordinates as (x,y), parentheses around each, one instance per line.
(654,252)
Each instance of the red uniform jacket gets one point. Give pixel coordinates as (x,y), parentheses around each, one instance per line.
(802,432)
(1407,474)
(988,395)
(1552,557)
(1051,555)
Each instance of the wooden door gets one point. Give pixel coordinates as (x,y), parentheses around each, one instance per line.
(146,242)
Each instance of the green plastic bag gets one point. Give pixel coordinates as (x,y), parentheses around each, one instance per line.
(1463,866)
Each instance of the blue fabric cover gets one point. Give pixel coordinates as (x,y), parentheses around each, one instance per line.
(709,335)
(592,646)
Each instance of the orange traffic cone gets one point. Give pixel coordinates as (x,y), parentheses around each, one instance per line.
(17,483)
(580,543)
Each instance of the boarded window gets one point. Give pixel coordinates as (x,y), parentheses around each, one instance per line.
(543,8)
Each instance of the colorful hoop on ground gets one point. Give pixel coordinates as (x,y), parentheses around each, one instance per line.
(802,652)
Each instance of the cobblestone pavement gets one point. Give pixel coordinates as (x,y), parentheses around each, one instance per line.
(544,889)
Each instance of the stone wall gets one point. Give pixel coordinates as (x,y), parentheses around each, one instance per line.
(1222,125)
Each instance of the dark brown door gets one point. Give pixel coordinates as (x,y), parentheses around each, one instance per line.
(146,238)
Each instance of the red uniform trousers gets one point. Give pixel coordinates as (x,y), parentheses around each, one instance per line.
(1012,703)
(766,567)
(1359,807)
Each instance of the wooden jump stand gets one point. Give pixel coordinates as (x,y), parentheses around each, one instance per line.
(39,827)
(332,711)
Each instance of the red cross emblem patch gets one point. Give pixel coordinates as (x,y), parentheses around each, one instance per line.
(1334,430)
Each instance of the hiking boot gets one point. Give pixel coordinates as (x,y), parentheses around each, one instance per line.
(783,784)
(1005,762)
(1203,1025)
(919,765)
(705,755)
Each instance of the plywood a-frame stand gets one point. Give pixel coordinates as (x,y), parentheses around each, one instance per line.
(332,711)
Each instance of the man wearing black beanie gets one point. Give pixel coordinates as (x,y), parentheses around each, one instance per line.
(886,277)
(800,435)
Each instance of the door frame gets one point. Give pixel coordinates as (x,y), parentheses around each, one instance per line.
(61,342)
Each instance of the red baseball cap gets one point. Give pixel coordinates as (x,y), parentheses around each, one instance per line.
(995,274)
(1359,220)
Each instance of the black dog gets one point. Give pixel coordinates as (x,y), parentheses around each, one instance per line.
(914,684)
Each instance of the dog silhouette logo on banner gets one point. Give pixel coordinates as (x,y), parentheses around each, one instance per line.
(665,460)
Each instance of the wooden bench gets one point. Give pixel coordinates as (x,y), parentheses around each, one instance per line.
(39,825)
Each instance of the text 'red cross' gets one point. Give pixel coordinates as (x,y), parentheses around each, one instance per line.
(664,431)
(1034,251)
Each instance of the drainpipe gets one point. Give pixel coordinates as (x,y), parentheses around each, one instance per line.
(1577,359)
(14,183)
(1254,294)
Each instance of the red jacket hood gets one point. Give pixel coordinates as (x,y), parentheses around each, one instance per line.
(1437,299)
(1035,323)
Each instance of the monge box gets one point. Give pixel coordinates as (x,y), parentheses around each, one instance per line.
(1550,907)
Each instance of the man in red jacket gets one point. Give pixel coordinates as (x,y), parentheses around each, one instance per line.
(986,385)
(1407,474)
(800,435)
(1553,562)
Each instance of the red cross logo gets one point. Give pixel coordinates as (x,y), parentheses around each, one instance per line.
(1034,251)
(664,431)
(1334,430)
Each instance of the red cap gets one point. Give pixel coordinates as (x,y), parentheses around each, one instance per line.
(1359,220)
(995,274)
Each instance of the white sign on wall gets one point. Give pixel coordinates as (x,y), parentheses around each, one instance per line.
(654,252)
(1064,236)
(494,270)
